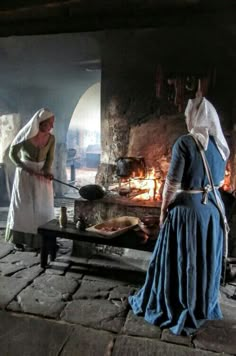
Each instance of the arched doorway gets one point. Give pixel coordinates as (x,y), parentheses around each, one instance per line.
(84,138)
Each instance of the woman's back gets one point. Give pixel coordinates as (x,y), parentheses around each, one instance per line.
(189,168)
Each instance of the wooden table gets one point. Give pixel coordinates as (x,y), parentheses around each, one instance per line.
(51,230)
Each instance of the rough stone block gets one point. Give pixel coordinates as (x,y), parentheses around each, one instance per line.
(58,268)
(30,273)
(137,326)
(5,249)
(121,292)
(47,295)
(22,258)
(93,289)
(140,346)
(180,340)
(24,335)
(95,313)
(9,288)
(41,302)
(7,269)
(217,339)
(88,342)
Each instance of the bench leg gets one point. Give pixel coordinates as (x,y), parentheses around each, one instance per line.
(48,247)
(44,252)
(52,248)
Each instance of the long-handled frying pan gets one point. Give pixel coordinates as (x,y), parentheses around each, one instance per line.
(89,191)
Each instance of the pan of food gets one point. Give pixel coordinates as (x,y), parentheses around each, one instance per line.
(114,227)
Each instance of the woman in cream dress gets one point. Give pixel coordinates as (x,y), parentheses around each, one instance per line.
(32,151)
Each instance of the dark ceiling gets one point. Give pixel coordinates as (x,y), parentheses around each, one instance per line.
(49,60)
(58,43)
(52,16)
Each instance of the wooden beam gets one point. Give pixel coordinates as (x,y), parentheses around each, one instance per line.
(74,16)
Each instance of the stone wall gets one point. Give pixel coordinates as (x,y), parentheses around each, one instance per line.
(135,121)
(154,140)
(98,211)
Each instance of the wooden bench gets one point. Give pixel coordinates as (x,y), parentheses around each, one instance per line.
(51,230)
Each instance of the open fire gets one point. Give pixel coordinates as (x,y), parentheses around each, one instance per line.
(149,187)
(227,186)
(146,188)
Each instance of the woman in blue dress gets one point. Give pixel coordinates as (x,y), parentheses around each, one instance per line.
(183,279)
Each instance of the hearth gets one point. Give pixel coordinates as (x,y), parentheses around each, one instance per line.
(136,181)
(114,205)
(129,195)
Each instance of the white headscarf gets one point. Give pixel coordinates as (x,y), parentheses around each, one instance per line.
(32,127)
(202,120)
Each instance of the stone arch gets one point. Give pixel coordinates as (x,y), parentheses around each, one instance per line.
(84,132)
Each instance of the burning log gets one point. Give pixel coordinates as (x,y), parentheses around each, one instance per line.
(137,192)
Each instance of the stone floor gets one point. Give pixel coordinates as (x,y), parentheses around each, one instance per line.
(79,306)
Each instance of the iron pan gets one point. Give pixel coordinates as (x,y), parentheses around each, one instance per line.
(89,191)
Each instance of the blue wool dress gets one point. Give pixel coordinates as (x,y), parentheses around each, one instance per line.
(183,279)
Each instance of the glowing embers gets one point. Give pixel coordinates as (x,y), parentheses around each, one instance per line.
(147,188)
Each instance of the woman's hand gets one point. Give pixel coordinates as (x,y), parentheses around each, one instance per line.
(49,176)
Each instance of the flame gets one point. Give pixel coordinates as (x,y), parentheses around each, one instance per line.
(227,180)
(147,188)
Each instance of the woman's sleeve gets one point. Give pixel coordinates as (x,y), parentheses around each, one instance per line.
(50,156)
(177,163)
(14,155)
(174,176)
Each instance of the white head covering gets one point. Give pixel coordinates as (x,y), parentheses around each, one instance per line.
(32,127)
(202,120)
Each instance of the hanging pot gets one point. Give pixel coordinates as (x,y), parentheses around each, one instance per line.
(130,167)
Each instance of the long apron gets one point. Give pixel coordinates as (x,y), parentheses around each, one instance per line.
(32,202)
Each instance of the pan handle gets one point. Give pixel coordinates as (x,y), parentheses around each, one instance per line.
(68,185)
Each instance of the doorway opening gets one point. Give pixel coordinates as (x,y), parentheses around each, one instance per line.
(84,138)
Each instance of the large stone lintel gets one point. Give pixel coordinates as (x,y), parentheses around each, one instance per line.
(107,208)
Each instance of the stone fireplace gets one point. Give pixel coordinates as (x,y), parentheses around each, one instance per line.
(144,92)
(129,196)
(151,140)
(135,196)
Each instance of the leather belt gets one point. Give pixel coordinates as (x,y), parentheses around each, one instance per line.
(204,192)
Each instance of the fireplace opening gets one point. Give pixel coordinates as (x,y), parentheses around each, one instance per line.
(145,184)
(135,181)
(227,185)
(136,188)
